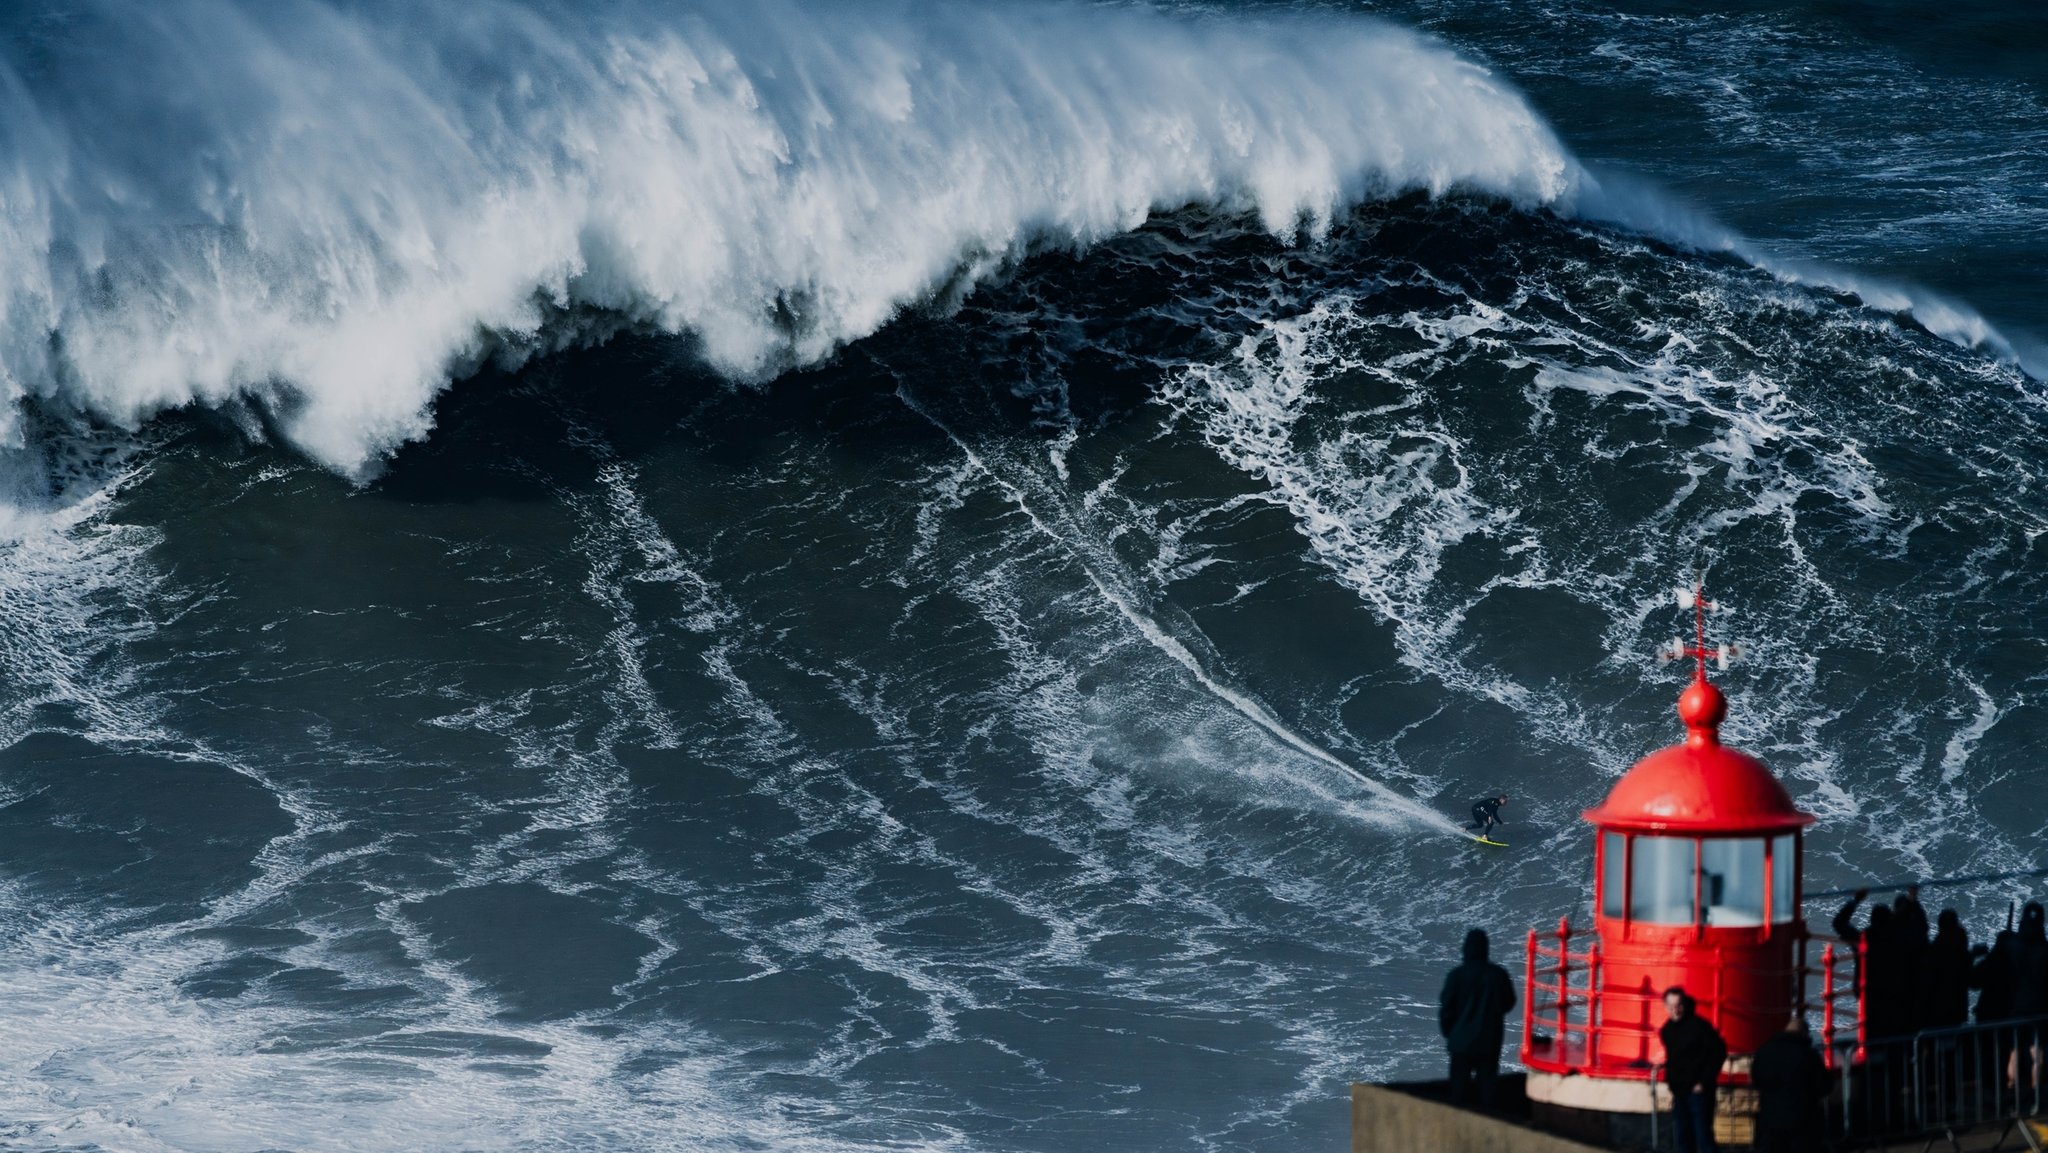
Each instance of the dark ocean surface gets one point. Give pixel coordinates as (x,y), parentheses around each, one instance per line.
(888,576)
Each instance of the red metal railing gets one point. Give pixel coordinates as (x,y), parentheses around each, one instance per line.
(1578,1013)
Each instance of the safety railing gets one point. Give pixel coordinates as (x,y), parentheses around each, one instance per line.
(1567,1010)
(1548,975)
(1839,998)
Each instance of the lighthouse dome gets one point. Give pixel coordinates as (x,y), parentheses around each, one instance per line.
(1700,786)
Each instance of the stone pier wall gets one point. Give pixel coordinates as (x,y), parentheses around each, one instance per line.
(1386,1119)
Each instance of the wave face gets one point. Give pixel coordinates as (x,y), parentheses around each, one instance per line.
(1185,459)
(325,211)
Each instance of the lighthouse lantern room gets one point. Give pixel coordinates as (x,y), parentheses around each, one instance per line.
(1696,883)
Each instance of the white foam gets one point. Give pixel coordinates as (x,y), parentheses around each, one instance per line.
(102,1052)
(1963,742)
(1617,198)
(342,210)
(1949,319)
(1107,578)
(1381,508)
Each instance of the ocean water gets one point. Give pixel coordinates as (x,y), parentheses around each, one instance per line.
(886,576)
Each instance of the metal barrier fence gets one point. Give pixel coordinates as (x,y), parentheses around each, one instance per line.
(1935,1085)
(1944,1081)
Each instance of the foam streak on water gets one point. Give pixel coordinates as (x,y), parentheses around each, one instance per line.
(1115,589)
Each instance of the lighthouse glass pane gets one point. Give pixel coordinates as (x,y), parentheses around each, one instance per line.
(1784,871)
(1660,889)
(1732,882)
(1613,874)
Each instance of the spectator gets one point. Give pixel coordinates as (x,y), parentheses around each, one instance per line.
(1886,989)
(1945,975)
(1791,1082)
(1471,1013)
(2030,965)
(1693,1055)
(1909,952)
(2029,997)
(1995,973)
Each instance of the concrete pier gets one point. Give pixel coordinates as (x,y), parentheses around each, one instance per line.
(1415,1118)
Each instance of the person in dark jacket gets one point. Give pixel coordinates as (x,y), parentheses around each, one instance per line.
(1887,987)
(1471,1013)
(2030,964)
(1994,973)
(1909,936)
(1693,1055)
(1486,814)
(1910,916)
(2029,995)
(1945,975)
(1791,1082)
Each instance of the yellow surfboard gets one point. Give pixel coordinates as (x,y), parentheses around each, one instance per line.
(1489,841)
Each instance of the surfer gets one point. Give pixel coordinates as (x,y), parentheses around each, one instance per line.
(1486,814)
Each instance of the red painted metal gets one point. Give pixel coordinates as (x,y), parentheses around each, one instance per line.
(1827,1004)
(1704,788)
(1746,966)
(1593,998)
(1564,981)
(1529,997)
(1615,1019)
(1862,1028)
(1743,975)
(1700,785)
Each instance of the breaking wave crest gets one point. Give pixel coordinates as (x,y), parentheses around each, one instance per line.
(345,204)
(314,214)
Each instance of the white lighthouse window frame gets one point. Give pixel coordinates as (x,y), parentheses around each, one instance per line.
(1663,875)
(1734,882)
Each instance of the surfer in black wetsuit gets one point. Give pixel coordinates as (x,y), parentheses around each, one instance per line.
(1486,814)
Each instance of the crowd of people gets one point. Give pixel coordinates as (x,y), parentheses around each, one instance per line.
(1912,983)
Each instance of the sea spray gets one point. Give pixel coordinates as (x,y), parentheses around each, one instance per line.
(324,211)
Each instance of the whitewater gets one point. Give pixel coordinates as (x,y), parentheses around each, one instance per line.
(645,576)
(345,206)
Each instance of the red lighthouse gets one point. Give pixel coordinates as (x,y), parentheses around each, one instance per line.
(1696,882)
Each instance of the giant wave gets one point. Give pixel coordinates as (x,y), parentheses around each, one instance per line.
(319,212)
(316,214)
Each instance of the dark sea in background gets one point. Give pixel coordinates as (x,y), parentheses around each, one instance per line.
(896,576)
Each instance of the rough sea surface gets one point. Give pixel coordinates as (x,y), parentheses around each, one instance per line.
(893,576)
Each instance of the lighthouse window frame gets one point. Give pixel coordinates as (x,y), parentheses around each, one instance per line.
(1784,868)
(1734,882)
(1663,880)
(1613,874)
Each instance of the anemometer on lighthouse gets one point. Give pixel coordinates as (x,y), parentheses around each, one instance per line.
(1695,601)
